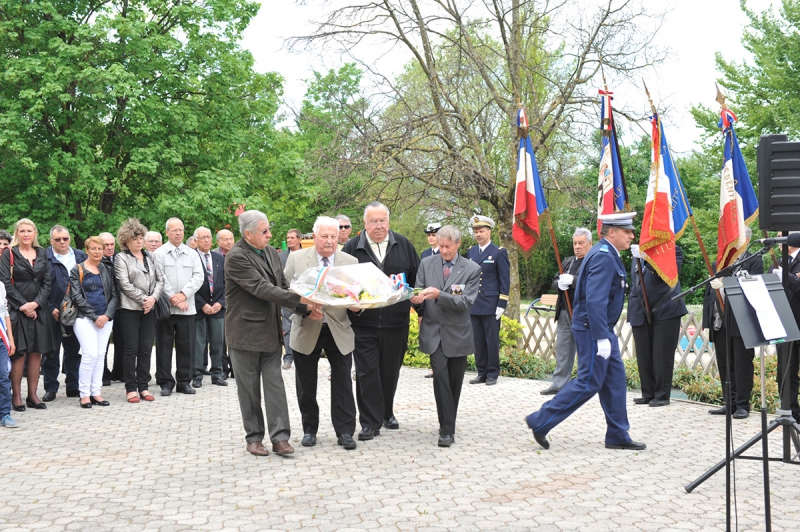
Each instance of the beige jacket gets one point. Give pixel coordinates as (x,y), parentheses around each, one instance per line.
(134,282)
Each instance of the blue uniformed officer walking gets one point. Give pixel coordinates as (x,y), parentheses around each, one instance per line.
(491,302)
(599,297)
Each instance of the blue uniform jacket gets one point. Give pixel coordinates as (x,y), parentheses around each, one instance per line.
(427,253)
(59,276)
(495,279)
(600,293)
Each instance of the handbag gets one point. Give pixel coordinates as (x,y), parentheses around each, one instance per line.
(161,308)
(68,312)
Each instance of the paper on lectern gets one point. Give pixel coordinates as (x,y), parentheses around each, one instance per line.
(757,295)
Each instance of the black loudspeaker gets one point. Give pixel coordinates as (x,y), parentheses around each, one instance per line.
(778,184)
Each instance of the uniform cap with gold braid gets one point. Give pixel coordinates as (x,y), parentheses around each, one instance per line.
(623,220)
(433,228)
(482,221)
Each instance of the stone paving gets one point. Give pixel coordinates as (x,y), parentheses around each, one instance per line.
(180,463)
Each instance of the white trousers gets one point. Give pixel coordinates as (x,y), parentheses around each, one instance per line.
(93,342)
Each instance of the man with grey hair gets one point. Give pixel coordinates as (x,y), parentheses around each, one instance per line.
(381,334)
(450,286)
(333,334)
(153,240)
(62,258)
(209,321)
(183,276)
(565,284)
(345,229)
(255,290)
(225,242)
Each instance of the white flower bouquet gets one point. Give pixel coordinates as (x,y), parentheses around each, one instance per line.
(361,286)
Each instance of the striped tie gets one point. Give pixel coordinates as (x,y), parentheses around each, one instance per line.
(209,274)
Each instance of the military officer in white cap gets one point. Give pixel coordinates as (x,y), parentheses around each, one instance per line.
(491,302)
(599,296)
(431,231)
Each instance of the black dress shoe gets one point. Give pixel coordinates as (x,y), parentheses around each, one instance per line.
(197,382)
(188,390)
(219,381)
(309,440)
(98,403)
(346,441)
(641,400)
(73,393)
(107,383)
(478,380)
(37,406)
(491,381)
(429,375)
(85,405)
(659,402)
(368,433)
(18,408)
(549,391)
(49,396)
(741,413)
(445,441)
(541,440)
(629,446)
(166,391)
(391,423)
(717,411)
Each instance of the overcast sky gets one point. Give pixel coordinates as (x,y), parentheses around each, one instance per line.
(693,30)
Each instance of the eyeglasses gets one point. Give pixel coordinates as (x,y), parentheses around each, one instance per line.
(61,239)
(344,227)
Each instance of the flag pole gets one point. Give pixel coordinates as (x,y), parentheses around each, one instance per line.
(711,271)
(721,100)
(558,260)
(616,146)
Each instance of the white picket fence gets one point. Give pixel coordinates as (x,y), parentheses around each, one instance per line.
(693,348)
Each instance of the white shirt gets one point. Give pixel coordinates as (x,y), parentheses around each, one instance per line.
(321,264)
(3,304)
(379,248)
(68,259)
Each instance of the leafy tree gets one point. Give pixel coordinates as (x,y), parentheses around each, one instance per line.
(113,108)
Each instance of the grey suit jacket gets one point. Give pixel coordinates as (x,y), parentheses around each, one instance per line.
(446,320)
(305,331)
(255,290)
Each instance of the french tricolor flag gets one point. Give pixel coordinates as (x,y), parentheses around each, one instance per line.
(738,204)
(529,200)
(611,196)
(657,239)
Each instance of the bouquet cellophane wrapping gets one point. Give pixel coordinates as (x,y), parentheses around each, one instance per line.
(361,286)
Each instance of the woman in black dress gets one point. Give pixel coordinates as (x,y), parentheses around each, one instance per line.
(25,272)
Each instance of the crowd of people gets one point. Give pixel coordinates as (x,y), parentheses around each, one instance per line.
(228,313)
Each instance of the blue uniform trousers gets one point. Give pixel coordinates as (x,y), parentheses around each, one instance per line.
(596,375)
(486,335)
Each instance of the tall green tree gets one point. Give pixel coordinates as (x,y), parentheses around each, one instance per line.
(110,108)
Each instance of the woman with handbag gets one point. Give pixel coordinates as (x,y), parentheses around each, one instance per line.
(140,284)
(93,292)
(25,272)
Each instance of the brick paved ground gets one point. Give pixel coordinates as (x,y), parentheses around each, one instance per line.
(180,464)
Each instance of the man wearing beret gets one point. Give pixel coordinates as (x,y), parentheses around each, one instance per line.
(491,302)
(599,297)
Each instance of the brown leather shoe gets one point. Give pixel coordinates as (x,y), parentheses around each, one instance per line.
(257,448)
(282,448)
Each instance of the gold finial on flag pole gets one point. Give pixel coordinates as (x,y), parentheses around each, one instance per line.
(721,98)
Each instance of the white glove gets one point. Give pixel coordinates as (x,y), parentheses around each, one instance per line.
(635,251)
(498,312)
(778,272)
(565,280)
(604,348)
(716,284)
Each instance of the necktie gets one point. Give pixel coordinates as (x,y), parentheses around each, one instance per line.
(209,274)
(325,262)
(446,271)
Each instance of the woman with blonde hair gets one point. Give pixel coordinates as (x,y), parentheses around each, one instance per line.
(93,291)
(25,272)
(140,285)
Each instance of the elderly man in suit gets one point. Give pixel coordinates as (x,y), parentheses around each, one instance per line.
(310,336)
(255,290)
(599,297)
(492,300)
(209,322)
(450,287)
